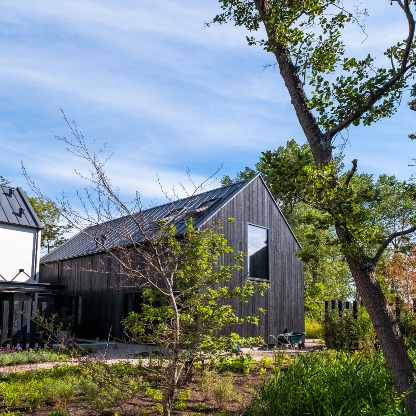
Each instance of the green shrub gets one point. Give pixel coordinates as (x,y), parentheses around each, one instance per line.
(11,393)
(314,329)
(347,333)
(330,383)
(106,386)
(240,364)
(182,400)
(14,355)
(223,392)
(207,380)
(407,324)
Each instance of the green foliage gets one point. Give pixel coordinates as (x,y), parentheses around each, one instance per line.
(238,364)
(292,160)
(58,412)
(206,380)
(12,393)
(202,285)
(407,325)
(100,386)
(347,333)
(248,173)
(224,392)
(187,304)
(106,386)
(314,329)
(219,388)
(53,233)
(13,356)
(341,86)
(183,398)
(330,383)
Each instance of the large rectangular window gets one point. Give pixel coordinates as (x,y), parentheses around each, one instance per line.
(258,252)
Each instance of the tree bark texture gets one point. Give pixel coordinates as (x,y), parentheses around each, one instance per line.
(322,151)
(386,328)
(362,268)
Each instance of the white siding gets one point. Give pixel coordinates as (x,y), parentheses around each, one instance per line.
(19,249)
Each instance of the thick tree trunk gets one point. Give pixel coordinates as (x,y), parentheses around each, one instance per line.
(387,331)
(322,153)
(362,268)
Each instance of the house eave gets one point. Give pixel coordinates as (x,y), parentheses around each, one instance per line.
(29,287)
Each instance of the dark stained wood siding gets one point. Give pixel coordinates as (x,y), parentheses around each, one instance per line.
(102,288)
(284,301)
(96,279)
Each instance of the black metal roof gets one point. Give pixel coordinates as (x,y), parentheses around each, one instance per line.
(29,287)
(113,233)
(15,209)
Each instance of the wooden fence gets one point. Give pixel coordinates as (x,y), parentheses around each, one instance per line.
(17,327)
(340,306)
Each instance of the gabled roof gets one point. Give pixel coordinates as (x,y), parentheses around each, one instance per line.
(15,209)
(112,234)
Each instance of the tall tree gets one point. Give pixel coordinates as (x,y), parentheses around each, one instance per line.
(55,228)
(305,38)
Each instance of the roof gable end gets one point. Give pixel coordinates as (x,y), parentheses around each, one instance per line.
(15,208)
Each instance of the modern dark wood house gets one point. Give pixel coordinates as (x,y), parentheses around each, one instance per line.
(98,299)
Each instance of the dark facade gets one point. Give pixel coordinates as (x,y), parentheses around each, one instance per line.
(98,299)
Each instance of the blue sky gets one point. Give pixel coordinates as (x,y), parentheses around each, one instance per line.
(163,92)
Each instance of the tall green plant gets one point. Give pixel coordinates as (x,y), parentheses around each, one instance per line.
(346,332)
(185,312)
(330,384)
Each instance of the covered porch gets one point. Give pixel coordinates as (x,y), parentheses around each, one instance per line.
(19,304)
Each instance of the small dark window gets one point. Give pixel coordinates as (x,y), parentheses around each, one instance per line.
(133,302)
(258,252)
(76,309)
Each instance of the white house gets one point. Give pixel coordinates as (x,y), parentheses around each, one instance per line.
(20,232)
(21,294)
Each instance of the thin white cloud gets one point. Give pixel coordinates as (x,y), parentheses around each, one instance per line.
(147,78)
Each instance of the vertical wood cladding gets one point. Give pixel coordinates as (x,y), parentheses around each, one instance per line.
(284,301)
(96,278)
